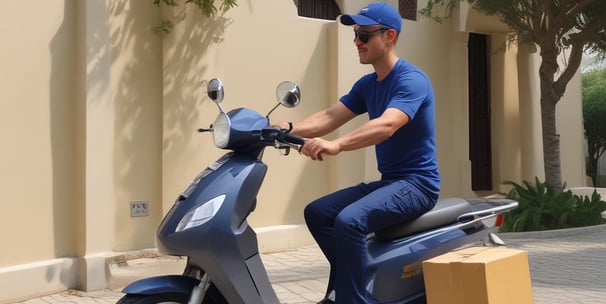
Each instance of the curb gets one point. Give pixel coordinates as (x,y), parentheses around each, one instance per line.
(547,234)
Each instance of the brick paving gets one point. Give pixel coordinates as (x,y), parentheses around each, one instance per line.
(566,267)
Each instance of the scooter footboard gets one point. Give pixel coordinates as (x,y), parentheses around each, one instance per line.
(162,284)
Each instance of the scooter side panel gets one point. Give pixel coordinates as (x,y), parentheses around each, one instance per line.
(259,274)
(238,172)
(237,276)
(395,268)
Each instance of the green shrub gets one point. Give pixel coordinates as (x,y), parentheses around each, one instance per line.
(542,208)
(588,211)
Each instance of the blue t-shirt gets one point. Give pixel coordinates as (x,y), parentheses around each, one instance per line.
(410,152)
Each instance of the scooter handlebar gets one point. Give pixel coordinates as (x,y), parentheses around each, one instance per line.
(285,137)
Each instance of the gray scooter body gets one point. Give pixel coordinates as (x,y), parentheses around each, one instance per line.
(225,247)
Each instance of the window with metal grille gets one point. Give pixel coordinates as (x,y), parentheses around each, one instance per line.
(329,10)
(319,9)
(408,9)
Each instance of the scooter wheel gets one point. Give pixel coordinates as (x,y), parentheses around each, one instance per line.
(154,298)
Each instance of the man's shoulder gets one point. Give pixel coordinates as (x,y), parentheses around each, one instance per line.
(409,74)
(368,78)
(405,67)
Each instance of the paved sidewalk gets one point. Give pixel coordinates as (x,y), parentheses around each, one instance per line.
(566,267)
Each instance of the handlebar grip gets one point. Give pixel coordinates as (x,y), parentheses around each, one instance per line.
(288,138)
(294,139)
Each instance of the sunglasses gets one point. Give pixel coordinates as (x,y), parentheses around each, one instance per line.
(364,36)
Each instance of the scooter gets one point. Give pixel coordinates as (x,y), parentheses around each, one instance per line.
(208,224)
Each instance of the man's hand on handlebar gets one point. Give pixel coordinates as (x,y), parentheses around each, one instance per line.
(314,148)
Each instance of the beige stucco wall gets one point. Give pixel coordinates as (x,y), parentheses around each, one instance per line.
(98,112)
(570,127)
(81,123)
(38,131)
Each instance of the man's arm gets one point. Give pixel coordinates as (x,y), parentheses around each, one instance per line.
(371,133)
(323,122)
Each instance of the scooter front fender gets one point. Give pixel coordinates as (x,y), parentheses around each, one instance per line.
(162,284)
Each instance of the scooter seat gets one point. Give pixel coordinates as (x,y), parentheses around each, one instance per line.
(446,211)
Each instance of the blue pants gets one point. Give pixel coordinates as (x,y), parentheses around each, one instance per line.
(341,221)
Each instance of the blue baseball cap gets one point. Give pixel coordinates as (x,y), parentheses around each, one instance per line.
(379,13)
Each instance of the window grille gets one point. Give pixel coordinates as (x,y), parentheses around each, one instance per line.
(329,10)
(408,9)
(319,9)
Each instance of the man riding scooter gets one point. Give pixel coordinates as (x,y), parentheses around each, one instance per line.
(375,235)
(399,100)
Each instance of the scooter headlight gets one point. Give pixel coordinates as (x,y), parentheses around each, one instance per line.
(201,214)
(221,130)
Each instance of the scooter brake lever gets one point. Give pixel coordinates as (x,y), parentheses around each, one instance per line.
(284,150)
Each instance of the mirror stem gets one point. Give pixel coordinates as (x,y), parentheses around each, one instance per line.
(271,111)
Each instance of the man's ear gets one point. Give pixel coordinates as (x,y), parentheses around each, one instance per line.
(392,35)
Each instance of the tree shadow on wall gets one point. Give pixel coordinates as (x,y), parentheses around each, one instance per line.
(92,64)
(153,107)
(187,51)
(137,154)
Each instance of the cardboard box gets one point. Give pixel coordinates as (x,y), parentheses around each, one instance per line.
(478,275)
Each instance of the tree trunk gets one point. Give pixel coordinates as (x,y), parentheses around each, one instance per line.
(551,145)
(592,168)
(549,100)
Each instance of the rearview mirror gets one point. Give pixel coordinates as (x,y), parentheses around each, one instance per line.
(215,90)
(289,94)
